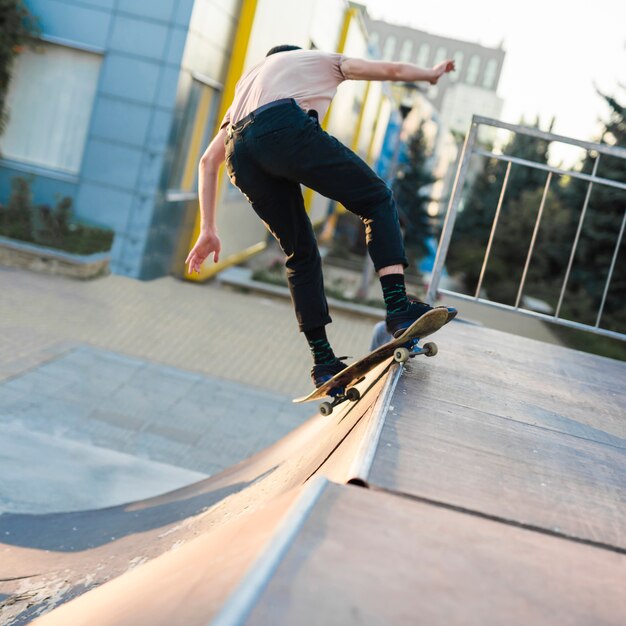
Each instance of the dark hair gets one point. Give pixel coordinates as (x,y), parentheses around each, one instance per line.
(283,48)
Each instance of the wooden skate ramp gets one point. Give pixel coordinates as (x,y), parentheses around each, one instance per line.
(525,432)
(497,475)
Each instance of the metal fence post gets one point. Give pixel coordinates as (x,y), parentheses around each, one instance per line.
(448,226)
(470,149)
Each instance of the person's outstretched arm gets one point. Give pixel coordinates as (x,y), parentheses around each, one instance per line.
(362,69)
(208,241)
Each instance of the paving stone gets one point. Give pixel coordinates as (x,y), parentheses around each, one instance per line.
(36,382)
(11,398)
(104,434)
(127,421)
(173,433)
(157,448)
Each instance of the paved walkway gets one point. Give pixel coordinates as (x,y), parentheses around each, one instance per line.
(165,372)
(206,328)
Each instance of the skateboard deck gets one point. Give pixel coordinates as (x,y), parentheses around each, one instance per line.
(346,379)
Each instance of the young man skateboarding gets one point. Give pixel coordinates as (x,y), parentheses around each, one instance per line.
(272,142)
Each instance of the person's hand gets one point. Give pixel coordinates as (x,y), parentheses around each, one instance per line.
(439,70)
(208,242)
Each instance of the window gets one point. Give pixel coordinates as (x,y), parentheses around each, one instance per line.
(49,101)
(193,135)
(422,55)
(472,69)
(490,74)
(374,39)
(406,51)
(390,48)
(440,55)
(458,63)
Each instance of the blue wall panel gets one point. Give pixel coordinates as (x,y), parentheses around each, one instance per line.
(102,4)
(150,172)
(142,214)
(129,77)
(136,36)
(168,84)
(127,253)
(111,163)
(176,46)
(182,14)
(157,10)
(77,23)
(160,128)
(120,120)
(103,205)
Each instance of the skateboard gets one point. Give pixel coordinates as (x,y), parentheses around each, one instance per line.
(341,387)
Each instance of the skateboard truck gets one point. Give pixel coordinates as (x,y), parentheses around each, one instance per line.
(412,349)
(340,395)
(401,355)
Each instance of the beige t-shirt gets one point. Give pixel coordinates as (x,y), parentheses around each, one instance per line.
(310,77)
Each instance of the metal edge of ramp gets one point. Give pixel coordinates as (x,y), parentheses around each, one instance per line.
(239,605)
(360,469)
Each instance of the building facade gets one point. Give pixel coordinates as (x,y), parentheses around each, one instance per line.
(472,89)
(99,113)
(121,97)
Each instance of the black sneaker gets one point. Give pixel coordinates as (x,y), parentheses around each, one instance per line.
(322,373)
(452,312)
(397,323)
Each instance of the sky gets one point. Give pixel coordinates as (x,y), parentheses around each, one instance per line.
(557,53)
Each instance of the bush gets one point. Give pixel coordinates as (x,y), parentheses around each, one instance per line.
(48,226)
(18,28)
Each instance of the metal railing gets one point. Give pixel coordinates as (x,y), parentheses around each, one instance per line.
(469,149)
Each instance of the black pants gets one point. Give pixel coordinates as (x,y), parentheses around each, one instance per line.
(269,156)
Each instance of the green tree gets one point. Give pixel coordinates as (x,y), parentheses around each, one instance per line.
(413,177)
(512,243)
(513,232)
(17,28)
(600,231)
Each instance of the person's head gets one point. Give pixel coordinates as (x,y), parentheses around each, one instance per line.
(283,48)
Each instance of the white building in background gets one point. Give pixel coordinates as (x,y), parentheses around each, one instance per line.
(472,89)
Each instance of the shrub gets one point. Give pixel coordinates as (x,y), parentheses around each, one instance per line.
(50,226)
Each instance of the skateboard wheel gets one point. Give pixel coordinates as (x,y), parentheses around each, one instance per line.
(430,348)
(353,394)
(326,408)
(401,355)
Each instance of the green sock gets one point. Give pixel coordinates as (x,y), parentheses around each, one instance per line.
(320,348)
(394,293)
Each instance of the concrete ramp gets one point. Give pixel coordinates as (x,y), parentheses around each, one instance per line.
(497,494)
